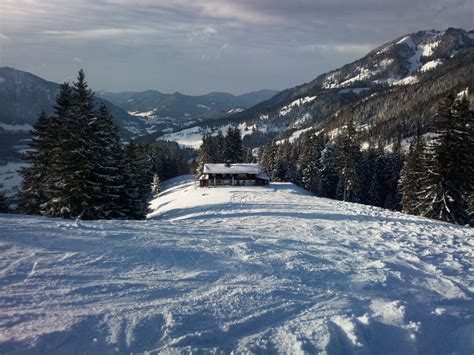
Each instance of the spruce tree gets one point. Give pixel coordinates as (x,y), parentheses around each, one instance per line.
(139,177)
(205,152)
(77,160)
(269,155)
(328,176)
(412,174)
(233,151)
(378,182)
(310,162)
(284,168)
(369,159)
(133,198)
(393,167)
(64,128)
(349,163)
(446,187)
(4,202)
(217,148)
(83,186)
(106,174)
(35,180)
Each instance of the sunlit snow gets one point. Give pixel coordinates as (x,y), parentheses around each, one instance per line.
(237,269)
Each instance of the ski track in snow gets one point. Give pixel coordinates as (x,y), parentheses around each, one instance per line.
(269,270)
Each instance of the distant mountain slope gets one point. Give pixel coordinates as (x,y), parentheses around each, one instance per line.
(183,108)
(242,270)
(399,80)
(24,95)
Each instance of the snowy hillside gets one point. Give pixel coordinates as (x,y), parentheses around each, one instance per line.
(181,107)
(404,77)
(248,269)
(10,178)
(192,137)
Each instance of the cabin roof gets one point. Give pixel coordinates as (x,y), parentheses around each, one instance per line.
(231,169)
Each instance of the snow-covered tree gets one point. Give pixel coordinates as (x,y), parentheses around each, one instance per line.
(34,186)
(107,170)
(78,167)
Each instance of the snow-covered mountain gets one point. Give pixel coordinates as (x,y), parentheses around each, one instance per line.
(171,112)
(400,62)
(402,78)
(237,269)
(153,103)
(24,95)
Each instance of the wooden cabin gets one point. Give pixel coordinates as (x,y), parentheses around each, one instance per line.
(232,175)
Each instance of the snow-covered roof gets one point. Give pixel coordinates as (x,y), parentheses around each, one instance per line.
(231,169)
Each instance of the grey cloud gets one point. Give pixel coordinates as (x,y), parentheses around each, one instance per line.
(206,45)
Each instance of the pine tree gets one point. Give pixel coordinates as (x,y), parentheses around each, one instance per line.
(4,203)
(328,176)
(35,177)
(106,174)
(349,163)
(393,167)
(378,183)
(205,152)
(310,162)
(249,158)
(217,148)
(233,151)
(139,175)
(412,174)
(82,185)
(77,160)
(446,187)
(63,128)
(133,198)
(368,161)
(269,155)
(283,170)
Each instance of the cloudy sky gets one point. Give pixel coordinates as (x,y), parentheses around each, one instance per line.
(198,46)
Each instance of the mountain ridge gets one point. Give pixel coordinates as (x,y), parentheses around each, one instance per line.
(23,95)
(155,104)
(394,68)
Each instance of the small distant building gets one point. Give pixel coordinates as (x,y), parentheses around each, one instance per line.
(233,175)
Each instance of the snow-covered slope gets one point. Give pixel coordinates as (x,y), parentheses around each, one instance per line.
(250,269)
(10,178)
(192,137)
(421,66)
